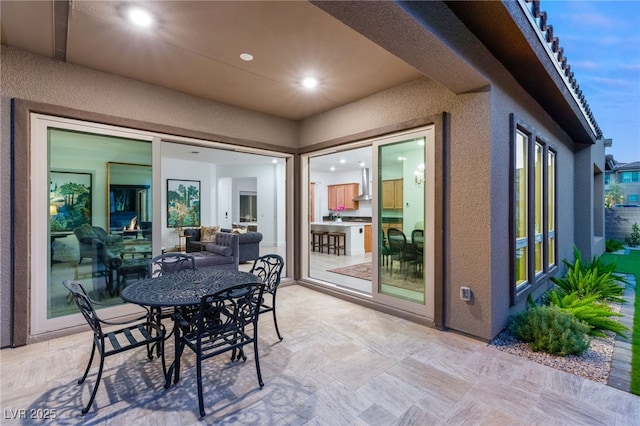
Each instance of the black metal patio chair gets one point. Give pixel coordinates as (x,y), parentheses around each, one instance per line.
(138,332)
(269,269)
(225,321)
(169,263)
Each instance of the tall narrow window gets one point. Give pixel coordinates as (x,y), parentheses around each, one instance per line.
(538,208)
(534,209)
(521,208)
(551,207)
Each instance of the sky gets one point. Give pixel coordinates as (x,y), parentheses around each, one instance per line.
(601,41)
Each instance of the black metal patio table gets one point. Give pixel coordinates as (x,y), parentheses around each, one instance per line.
(182,289)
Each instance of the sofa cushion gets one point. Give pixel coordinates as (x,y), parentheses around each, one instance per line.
(221,250)
(206,259)
(208,233)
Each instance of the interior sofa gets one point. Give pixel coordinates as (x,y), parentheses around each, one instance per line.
(222,253)
(249,242)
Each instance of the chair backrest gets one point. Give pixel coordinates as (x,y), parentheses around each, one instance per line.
(416,233)
(234,307)
(269,269)
(169,263)
(82,300)
(397,240)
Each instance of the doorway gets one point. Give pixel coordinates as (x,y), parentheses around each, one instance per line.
(396,221)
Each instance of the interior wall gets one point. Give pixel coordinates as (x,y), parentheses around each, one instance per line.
(188,170)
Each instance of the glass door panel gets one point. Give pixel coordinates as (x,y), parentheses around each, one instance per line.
(401,211)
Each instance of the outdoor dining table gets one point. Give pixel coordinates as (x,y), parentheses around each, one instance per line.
(182,289)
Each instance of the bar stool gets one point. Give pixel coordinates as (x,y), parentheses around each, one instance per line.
(336,241)
(317,240)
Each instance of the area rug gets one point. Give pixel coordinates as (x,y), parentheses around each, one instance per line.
(398,279)
(360,270)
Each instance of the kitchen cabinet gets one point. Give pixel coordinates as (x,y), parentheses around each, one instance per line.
(343,195)
(392,193)
(367,238)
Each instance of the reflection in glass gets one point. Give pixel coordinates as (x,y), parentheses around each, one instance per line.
(86,172)
(401,212)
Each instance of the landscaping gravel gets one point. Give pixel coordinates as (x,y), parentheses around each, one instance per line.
(594,363)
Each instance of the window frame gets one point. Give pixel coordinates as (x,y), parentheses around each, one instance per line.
(536,273)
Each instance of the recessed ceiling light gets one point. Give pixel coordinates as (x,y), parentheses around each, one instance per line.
(140,17)
(342,161)
(402,158)
(309,82)
(246,57)
(332,168)
(361,164)
(274,161)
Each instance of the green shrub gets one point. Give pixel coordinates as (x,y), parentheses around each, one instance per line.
(634,239)
(613,245)
(550,329)
(595,314)
(590,283)
(591,279)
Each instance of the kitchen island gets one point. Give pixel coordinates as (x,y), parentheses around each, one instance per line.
(354,231)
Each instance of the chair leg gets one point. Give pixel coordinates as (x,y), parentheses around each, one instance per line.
(275,320)
(255,355)
(95,388)
(199,379)
(86,371)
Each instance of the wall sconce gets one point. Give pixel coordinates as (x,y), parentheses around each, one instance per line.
(53,210)
(419,175)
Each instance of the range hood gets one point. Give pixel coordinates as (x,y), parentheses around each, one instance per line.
(365,194)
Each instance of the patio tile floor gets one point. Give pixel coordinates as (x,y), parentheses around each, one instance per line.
(339,364)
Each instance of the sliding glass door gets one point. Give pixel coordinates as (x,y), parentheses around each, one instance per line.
(388,222)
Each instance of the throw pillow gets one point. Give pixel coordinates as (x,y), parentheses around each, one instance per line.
(208,233)
(239,231)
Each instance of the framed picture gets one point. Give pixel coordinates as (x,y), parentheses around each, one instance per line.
(69,200)
(183,203)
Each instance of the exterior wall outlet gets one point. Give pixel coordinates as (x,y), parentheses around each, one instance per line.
(465,294)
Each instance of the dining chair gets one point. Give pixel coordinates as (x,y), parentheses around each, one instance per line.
(168,263)
(269,269)
(225,321)
(138,332)
(398,248)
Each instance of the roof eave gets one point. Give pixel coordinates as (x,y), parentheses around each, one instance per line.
(515,39)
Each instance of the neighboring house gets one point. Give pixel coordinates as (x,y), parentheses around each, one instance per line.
(622,181)
(627,176)
(513,157)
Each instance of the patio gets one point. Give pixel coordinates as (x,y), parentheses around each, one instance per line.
(339,364)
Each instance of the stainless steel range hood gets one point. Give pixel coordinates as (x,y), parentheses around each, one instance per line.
(365,191)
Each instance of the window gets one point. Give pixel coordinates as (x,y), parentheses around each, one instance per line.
(533,207)
(628,177)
